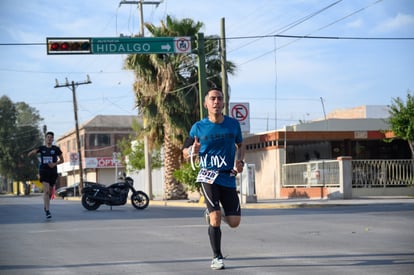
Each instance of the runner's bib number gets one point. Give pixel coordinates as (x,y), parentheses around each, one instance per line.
(47,159)
(207,176)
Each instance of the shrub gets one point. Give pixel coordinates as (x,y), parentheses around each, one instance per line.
(187,176)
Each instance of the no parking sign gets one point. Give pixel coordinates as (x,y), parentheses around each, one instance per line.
(240,112)
(74,159)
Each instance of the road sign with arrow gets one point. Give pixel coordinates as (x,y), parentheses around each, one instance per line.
(141,45)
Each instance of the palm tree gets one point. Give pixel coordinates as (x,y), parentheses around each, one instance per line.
(167,96)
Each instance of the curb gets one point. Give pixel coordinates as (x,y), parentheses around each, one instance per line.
(280,204)
(244,206)
(186,203)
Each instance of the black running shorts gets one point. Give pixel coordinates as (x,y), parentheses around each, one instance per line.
(215,194)
(48,176)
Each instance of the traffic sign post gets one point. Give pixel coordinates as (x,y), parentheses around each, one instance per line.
(119,45)
(240,111)
(74,159)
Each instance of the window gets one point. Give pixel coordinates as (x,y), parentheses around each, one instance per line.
(99,140)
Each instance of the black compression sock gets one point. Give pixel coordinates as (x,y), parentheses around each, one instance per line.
(215,240)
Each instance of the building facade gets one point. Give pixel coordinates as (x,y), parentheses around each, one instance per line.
(100,154)
(359,133)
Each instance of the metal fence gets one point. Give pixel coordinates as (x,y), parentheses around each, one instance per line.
(382,173)
(365,173)
(313,173)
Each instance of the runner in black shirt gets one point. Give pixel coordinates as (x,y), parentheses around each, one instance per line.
(50,157)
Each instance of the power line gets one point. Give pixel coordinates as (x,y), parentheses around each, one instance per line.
(293,24)
(259,36)
(61,72)
(23,44)
(323,37)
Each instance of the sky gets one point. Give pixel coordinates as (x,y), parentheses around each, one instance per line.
(284,80)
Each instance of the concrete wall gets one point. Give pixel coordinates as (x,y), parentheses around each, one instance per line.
(157,182)
(268,172)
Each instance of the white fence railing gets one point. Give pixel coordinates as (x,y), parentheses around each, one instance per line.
(313,173)
(364,173)
(382,173)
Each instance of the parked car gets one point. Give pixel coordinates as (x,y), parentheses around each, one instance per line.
(72,190)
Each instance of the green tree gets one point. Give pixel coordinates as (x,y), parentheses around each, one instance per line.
(28,136)
(133,149)
(167,95)
(402,119)
(19,132)
(7,127)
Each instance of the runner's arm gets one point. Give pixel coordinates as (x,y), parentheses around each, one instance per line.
(187,147)
(239,157)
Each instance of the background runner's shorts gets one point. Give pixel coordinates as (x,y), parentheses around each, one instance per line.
(49,177)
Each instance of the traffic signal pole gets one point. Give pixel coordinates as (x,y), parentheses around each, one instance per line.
(73,86)
(202,81)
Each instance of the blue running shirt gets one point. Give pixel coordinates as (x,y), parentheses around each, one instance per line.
(218,146)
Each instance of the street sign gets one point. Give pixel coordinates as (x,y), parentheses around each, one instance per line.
(240,111)
(140,45)
(74,159)
(118,45)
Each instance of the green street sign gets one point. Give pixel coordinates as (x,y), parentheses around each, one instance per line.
(140,45)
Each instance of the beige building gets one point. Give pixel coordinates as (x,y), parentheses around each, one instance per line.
(359,133)
(99,150)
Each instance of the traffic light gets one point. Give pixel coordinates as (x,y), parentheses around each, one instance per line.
(68,45)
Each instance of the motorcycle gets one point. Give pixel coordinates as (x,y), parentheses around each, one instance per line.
(115,194)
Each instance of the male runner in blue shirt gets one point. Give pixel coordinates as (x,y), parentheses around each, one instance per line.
(215,140)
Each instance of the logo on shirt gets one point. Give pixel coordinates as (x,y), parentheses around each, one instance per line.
(215,160)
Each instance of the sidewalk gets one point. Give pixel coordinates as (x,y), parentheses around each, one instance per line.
(295,203)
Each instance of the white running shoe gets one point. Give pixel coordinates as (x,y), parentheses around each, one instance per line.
(217,263)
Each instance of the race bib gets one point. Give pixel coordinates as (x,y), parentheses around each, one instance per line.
(47,159)
(207,176)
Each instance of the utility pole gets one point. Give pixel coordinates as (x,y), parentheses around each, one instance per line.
(224,85)
(324,114)
(73,86)
(147,157)
(140,4)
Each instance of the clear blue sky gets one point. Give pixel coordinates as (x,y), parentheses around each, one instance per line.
(283,79)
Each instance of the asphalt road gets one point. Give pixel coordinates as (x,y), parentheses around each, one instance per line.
(350,239)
